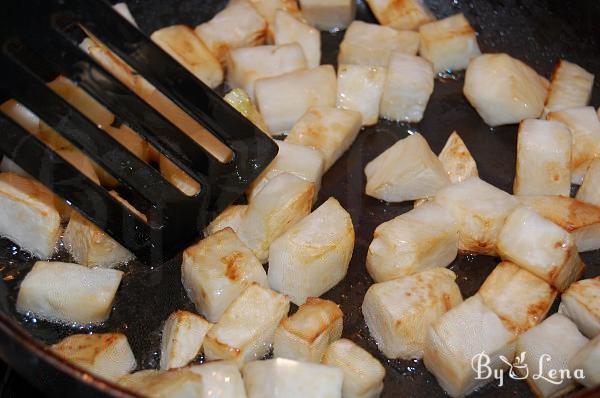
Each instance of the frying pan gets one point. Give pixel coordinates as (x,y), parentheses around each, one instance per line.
(537,32)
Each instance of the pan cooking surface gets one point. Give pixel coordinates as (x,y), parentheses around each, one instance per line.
(537,32)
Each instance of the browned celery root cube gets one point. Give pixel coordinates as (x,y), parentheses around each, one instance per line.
(457,339)
(306,335)
(372,44)
(504,90)
(107,355)
(449,44)
(312,256)
(571,87)
(518,297)
(302,161)
(282,100)
(480,210)
(424,238)
(248,64)
(238,25)
(216,270)
(541,247)
(360,88)
(580,219)
(405,14)
(408,86)
(457,160)
(245,331)
(180,42)
(180,383)
(182,338)
(408,170)
(585,130)
(330,130)
(399,312)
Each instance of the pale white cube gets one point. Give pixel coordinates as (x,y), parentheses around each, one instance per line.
(420,239)
(504,90)
(580,219)
(363,374)
(408,170)
(312,256)
(541,247)
(408,86)
(28,215)
(588,360)
(180,42)
(360,88)
(330,130)
(284,201)
(286,378)
(457,160)
(182,337)
(543,158)
(329,15)
(68,293)
(248,64)
(299,160)
(581,303)
(571,87)
(589,191)
(306,335)
(459,338)
(399,312)
(107,355)
(231,217)
(518,297)
(479,209)
(238,25)
(585,130)
(405,14)
(216,270)
(282,100)
(220,379)
(449,44)
(245,330)
(553,344)
(180,383)
(371,44)
(288,29)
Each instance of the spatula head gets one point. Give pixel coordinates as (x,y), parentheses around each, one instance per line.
(39,45)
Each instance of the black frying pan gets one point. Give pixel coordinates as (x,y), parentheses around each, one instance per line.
(535,31)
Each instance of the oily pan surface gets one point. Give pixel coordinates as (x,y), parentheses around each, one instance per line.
(537,32)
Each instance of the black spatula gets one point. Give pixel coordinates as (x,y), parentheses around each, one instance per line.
(39,40)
